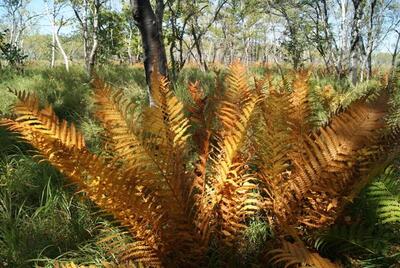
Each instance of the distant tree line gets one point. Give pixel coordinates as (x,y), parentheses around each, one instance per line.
(340,35)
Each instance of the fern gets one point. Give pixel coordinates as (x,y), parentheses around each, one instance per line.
(331,152)
(299,112)
(353,239)
(371,245)
(297,255)
(272,136)
(390,261)
(228,190)
(385,195)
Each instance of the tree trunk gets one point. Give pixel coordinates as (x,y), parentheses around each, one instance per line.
(95,38)
(53,51)
(355,49)
(394,57)
(85,33)
(340,66)
(129,50)
(197,43)
(62,51)
(370,39)
(56,39)
(83,21)
(151,33)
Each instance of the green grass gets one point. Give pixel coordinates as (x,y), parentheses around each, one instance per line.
(39,216)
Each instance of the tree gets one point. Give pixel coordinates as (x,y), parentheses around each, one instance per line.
(394,55)
(188,23)
(321,35)
(293,40)
(87,13)
(18,17)
(132,38)
(111,36)
(197,32)
(379,21)
(52,13)
(178,16)
(11,53)
(150,27)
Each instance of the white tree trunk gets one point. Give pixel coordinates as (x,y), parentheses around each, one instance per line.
(53,51)
(56,40)
(394,56)
(130,47)
(343,33)
(95,43)
(62,51)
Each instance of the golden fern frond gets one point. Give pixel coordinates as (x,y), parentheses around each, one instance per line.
(156,155)
(239,200)
(201,138)
(237,84)
(112,109)
(45,121)
(299,112)
(112,188)
(199,117)
(203,115)
(272,138)
(226,187)
(329,164)
(118,243)
(168,115)
(125,141)
(104,264)
(166,134)
(297,255)
(129,143)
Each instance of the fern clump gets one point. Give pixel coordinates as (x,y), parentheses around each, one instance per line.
(185,179)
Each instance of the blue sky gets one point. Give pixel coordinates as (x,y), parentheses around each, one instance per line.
(43,25)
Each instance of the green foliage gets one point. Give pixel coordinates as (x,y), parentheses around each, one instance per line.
(329,95)
(191,75)
(37,216)
(371,232)
(353,239)
(371,246)
(111,36)
(384,194)
(11,53)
